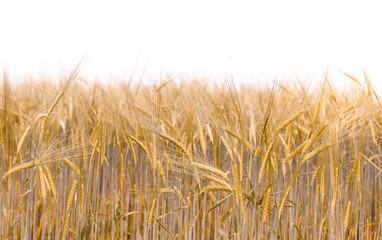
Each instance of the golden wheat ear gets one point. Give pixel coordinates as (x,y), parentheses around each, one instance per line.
(188,161)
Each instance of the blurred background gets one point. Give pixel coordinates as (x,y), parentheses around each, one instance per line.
(256,41)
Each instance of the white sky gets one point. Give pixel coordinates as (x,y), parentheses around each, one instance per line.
(255,40)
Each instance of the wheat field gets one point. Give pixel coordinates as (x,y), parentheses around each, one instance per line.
(190,161)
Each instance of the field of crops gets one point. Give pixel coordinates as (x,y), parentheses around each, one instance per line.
(190,160)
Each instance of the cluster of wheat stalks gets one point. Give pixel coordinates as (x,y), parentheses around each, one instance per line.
(189,161)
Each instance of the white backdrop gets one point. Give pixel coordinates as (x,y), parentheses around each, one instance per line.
(255,40)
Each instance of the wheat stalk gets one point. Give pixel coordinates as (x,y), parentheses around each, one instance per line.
(226,214)
(281,208)
(216,180)
(71,166)
(82,199)
(92,156)
(216,188)
(315,152)
(69,204)
(166,190)
(347,214)
(71,78)
(201,136)
(22,139)
(265,161)
(314,138)
(19,168)
(243,140)
(151,212)
(295,152)
(267,205)
(140,144)
(42,183)
(71,195)
(210,169)
(372,131)
(229,150)
(50,180)
(102,151)
(291,119)
(179,145)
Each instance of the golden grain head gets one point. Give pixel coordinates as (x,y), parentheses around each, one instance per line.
(267,163)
